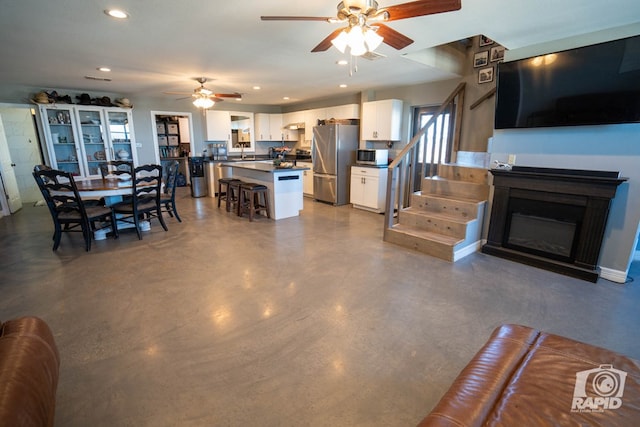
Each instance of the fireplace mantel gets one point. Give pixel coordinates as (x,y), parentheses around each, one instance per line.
(583,196)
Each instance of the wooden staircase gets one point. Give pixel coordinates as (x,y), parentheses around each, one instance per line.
(445,218)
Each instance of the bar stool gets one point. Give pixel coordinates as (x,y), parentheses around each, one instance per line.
(224,182)
(250,195)
(233,195)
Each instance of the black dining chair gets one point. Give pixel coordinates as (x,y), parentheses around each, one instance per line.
(145,198)
(168,196)
(38,168)
(68,211)
(122,169)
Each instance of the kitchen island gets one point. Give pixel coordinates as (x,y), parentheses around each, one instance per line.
(285,185)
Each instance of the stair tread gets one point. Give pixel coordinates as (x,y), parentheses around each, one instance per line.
(453,217)
(451,197)
(442,178)
(427,235)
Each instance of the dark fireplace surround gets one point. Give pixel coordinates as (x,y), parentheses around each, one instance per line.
(551,218)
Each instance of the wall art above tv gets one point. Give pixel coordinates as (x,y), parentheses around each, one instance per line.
(591,85)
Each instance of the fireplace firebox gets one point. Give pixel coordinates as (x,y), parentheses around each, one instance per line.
(551,218)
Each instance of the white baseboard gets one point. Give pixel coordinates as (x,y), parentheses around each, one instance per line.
(616,276)
(467,250)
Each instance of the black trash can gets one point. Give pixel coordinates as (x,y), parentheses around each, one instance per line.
(198,184)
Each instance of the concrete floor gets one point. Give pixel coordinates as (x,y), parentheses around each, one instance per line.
(309,321)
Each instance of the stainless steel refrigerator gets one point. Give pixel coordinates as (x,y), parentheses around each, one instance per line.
(334,152)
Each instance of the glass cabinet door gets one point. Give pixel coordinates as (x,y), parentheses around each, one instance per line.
(92,130)
(120,134)
(63,144)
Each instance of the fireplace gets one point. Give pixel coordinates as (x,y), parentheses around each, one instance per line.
(551,218)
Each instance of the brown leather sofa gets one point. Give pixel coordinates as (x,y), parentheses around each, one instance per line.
(29,368)
(524,377)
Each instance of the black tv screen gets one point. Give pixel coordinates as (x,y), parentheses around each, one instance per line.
(591,85)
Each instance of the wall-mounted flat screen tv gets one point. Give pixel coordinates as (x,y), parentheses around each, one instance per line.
(591,85)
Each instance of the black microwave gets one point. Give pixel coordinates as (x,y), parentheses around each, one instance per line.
(372,157)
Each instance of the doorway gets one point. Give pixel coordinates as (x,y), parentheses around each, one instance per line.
(173,140)
(434,146)
(23,149)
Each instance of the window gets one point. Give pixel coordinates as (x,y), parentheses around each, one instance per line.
(438,133)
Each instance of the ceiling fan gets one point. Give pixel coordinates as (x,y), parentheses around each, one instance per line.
(205,98)
(365,29)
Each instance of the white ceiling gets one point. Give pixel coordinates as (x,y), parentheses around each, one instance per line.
(53,44)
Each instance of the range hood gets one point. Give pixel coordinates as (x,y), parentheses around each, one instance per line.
(294,126)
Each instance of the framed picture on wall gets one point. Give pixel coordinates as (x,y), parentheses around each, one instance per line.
(485,75)
(485,41)
(497,53)
(481,59)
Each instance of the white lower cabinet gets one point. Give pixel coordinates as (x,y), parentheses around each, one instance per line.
(307,178)
(369,188)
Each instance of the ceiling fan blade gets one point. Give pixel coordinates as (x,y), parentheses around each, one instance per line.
(326,43)
(421,8)
(295,18)
(392,37)
(227,95)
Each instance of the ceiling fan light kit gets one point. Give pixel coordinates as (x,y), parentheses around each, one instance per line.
(359,40)
(203,102)
(366,31)
(205,98)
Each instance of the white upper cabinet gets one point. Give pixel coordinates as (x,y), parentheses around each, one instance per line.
(348,111)
(218,126)
(268,127)
(234,128)
(310,120)
(381,120)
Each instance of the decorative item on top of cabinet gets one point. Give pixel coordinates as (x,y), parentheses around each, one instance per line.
(381,120)
(369,188)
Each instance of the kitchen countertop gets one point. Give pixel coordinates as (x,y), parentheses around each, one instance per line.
(262,166)
(370,166)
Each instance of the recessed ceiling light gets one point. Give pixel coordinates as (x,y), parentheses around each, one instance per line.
(286,98)
(117,13)
(238,99)
(257,87)
(342,62)
(343,85)
(104,69)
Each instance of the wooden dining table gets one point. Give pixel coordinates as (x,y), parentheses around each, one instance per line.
(112,190)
